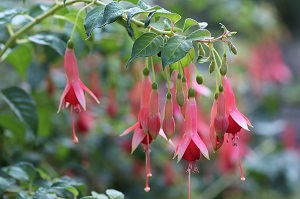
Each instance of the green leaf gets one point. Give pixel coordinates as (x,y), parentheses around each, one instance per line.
(41,193)
(29,169)
(200,34)
(93,20)
(189,23)
(175,49)
(174,17)
(16,173)
(49,40)
(14,125)
(192,22)
(114,194)
(99,195)
(146,45)
(23,106)
(7,15)
(91,197)
(112,12)
(130,13)
(20,57)
(185,61)
(5,182)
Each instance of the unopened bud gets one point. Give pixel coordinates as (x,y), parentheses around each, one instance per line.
(221,121)
(191,93)
(199,79)
(70,44)
(216,96)
(232,47)
(168,124)
(224,65)
(212,66)
(146,71)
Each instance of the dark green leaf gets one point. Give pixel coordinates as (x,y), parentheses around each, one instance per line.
(29,169)
(200,34)
(189,23)
(99,195)
(114,194)
(7,15)
(12,123)
(20,57)
(23,106)
(23,195)
(41,193)
(49,40)
(5,182)
(91,197)
(111,13)
(93,20)
(130,13)
(16,173)
(175,49)
(185,61)
(146,45)
(174,17)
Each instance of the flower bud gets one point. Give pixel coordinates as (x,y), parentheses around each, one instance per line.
(221,120)
(212,66)
(180,98)
(232,47)
(168,124)
(153,122)
(224,65)
(199,79)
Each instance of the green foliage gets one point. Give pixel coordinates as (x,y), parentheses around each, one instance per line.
(49,40)
(146,45)
(93,20)
(23,106)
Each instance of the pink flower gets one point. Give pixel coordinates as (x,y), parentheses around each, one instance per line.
(221,119)
(140,134)
(74,91)
(190,147)
(191,143)
(236,120)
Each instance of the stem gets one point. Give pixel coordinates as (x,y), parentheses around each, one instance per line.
(190,74)
(168,80)
(77,17)
(153,71)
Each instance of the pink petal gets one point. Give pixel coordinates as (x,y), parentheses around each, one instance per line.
(201,89)
(228,93)
(62,98)
(137,138)
(79,93)
(162,134)
(90,92)
(130,129)
(247,120)
(182,146)
(200,144)
(239,118)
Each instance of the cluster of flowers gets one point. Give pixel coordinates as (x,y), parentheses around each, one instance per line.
(225,117)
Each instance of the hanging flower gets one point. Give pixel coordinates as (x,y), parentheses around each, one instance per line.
(168,124)
(140,134)
(73,94)
(190,147)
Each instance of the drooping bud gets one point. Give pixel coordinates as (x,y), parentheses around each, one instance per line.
(168,124)
(221,120)
(232,47)
(224,65)
(212,66)
(180,98)
(215,140)
(153,122)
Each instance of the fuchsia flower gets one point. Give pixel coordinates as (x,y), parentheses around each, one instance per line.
(190,147)
(236,120)
(74,91)
(141,135)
